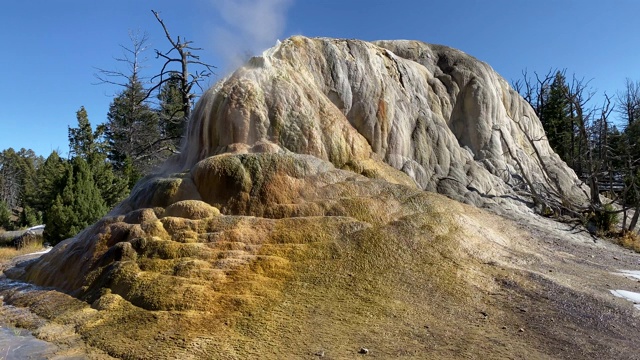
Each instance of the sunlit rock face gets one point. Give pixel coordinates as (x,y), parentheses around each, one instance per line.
(446,119)
(214,220)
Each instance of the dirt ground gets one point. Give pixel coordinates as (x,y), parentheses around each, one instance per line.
(531,288)
(569,308)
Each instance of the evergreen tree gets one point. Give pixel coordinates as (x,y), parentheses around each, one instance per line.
(88,204)
(130,173)
(77,206)
(12,175)
(81,139)
(132,129)
(560,106)
(555,116)
(60,216)
(137,134)
(5,216)
(48,184)
(29,217)
(172,116)
(57,226)
(112,187)
(17,179)
(90,146)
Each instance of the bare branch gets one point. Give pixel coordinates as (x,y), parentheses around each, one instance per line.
(181,52)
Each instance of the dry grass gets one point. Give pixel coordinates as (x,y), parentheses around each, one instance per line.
(630,240)
(8,253)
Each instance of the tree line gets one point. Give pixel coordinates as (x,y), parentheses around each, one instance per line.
(143,127)
(603,151)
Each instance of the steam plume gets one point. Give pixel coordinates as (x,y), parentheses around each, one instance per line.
(250,26)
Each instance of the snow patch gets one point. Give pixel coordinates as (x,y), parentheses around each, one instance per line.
(628,295)
(633,274)
(41,252)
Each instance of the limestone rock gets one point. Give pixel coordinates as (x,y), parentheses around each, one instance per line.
(442,117)
(191,209)
(185,256)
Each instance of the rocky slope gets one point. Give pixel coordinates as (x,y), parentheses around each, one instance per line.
(441,116)
(295,223)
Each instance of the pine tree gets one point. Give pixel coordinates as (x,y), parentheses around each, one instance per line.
(556,117)
(60,216)
(81,139)
(132,129)
(12,175)
(113,188)
(49,183)
(17,179)
(90,146)
(87,203)
(172,116)
(29,217)
(57,226)
(5,216)
(76,206)
(130,173)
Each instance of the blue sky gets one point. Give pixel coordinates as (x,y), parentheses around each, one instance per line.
(51,48)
